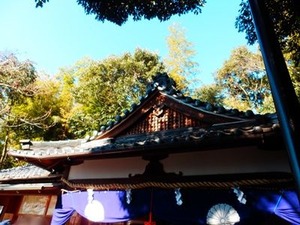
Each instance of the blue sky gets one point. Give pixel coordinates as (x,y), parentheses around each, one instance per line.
(60,33)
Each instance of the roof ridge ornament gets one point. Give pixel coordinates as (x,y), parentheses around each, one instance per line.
(25,144)
(162,82)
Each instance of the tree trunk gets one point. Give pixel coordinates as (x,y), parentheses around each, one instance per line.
(4,150)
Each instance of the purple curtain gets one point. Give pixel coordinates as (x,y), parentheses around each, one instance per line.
(288,207)
(61,216)
(261,206)
(284,204)
(114,206)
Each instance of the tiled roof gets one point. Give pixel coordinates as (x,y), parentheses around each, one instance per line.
(245,126)
(163,83)
(58,148)
(23,172)
(181,136)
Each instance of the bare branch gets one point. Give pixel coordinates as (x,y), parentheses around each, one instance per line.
(36,122)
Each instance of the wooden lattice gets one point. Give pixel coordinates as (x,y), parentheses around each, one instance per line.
(163,118)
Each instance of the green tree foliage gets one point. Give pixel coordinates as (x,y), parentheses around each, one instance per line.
(30,105)
(16,79)
(286,21)
(211,93)
(244,81)
(294,71)
(105,88)
(40,117)
(295,76)
(118,11)
(180,64)
(66,99)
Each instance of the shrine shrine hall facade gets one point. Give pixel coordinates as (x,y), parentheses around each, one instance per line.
(170,159)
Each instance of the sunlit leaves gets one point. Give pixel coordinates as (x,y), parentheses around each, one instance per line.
(244,80)
(180,60)
(211,93)
(16,78)
(286,21)
(105,88)
(16,86)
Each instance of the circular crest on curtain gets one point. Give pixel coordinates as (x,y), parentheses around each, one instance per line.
(222,214)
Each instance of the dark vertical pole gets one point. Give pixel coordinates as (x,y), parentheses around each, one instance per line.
(285,99)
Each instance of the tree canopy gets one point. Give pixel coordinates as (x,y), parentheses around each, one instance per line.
(17,92)
(104,89)
(286,20)
(243,81)
(211,93)
(179,62)
(118,11)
